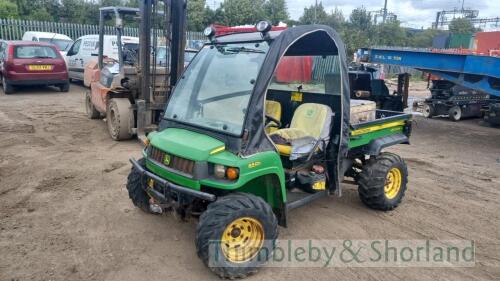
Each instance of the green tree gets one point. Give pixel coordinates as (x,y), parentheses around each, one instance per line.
(361,19)
(41,14)
(8,10)
(314,15)
(336,19)
(239,12)
(390,34)
(423,39)
(276,11)
(195,15)
(461,26)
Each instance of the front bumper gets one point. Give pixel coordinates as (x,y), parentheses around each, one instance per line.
(165,191)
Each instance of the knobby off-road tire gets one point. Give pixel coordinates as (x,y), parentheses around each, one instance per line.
(92,112)
(119,119)
(135,191)
(227,222)
(382,182)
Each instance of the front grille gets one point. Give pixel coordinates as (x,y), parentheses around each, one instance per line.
(175,162)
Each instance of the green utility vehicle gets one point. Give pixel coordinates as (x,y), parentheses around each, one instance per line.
(239,146)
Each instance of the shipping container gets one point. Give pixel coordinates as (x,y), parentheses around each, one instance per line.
(460,41)
(440,41)
(487,41)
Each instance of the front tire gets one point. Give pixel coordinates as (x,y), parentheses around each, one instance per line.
(236,234)
(135,191)
(119,119)
(455,113)
(382,182)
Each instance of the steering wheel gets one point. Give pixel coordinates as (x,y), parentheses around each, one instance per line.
(270,119)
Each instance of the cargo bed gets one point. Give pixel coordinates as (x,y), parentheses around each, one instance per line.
(387,124)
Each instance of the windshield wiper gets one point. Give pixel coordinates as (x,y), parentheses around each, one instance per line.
(245,50)
(42,57)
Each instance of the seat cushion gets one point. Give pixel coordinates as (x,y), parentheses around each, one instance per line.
(273,109)
(310,123)
(311,118)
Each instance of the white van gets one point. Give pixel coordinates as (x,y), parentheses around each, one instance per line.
(61,41)
(86,47)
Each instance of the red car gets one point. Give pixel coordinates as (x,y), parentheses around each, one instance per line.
(31,63)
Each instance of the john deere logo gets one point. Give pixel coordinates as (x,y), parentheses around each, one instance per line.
(166,159)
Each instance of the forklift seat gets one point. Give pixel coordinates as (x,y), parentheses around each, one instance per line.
(310,122)
(273,109)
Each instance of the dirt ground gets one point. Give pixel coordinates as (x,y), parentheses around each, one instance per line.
(65,213)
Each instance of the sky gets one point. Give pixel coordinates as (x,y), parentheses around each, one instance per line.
(411,13)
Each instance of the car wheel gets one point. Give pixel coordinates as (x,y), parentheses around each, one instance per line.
(429,110)
(7,88)
(64,87)
(455,113)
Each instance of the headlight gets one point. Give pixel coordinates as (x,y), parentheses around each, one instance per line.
(219,171)
(223,172)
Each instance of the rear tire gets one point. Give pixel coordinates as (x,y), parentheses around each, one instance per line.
(64,87)
(382,182)
(223,232)
(119,119)
(7,88)
(455,113)
(428,111)
(135,191)
(92,113)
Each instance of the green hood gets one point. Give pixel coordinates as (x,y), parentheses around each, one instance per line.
(186,144)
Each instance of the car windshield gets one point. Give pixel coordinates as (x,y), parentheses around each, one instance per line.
(34,52)
(215,89)
(62,44)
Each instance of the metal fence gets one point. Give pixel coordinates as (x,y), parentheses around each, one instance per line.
(13,29)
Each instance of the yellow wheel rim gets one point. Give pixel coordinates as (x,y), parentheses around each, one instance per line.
(393,183)
(242,239)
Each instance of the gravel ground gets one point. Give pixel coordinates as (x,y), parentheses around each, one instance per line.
(65,214)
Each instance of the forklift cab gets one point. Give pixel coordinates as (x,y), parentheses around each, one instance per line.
(284,92)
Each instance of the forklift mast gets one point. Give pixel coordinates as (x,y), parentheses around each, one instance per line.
(173,24)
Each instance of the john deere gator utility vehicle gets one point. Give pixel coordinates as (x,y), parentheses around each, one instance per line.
(239,148)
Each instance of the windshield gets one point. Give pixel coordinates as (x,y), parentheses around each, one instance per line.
(215,89)
(62,44)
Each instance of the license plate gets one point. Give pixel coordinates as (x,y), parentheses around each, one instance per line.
(40,67)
